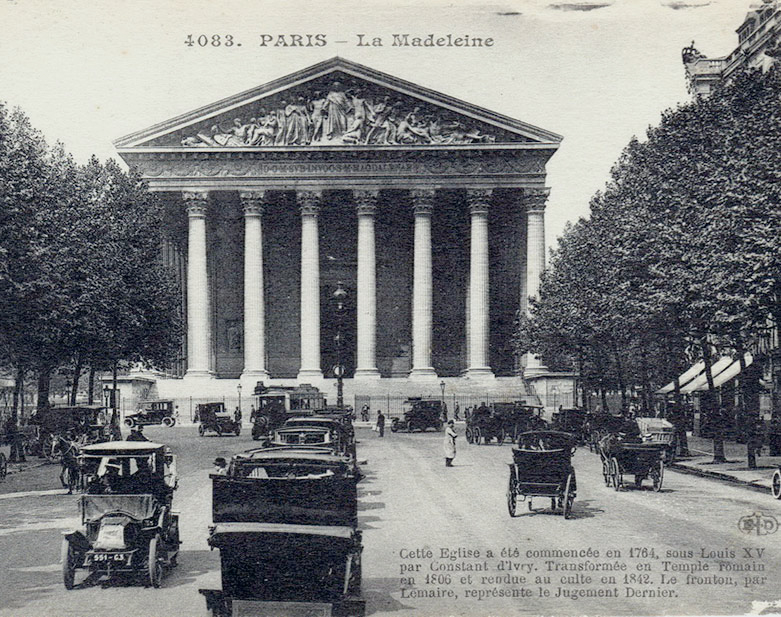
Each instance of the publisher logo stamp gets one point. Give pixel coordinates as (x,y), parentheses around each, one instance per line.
(758,523)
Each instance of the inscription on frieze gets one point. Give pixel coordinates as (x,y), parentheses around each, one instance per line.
(486,165)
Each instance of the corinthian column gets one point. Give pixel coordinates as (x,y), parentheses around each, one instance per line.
(309,204)
(422,202)
(478,285)
(535,259)
(254,309)
(366,204)
(198,323)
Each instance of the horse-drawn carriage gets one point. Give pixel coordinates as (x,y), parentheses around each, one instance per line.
(501,421)
(285,523)
(128,525)
(542,467)
(85,424)
(624,455)
(213,417)
(574,421)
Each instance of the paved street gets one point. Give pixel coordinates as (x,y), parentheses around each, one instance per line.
(409,503)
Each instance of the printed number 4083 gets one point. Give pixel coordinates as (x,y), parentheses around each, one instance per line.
(213,40)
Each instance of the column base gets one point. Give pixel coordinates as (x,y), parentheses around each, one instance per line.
(366,373)
(535,371)
(479,372)
(425,373)
(193,374)
(261,375)
(307,375)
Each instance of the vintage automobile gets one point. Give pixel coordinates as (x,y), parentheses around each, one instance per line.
(420,414)
(274,405)
(128,525)
(285,523)
(86,423)
(340,429)
(213,417)
(153,412)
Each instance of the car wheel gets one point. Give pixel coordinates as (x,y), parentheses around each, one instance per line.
(130,422)
(394,425)
(68,557)
(201,430)
(154,565)
(168,422)
(512,498)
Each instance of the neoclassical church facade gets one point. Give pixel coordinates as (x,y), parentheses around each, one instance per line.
(428,211)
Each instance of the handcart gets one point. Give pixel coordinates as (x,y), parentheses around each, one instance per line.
(542,467)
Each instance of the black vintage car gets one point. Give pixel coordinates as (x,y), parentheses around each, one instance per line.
(128,525)
(420,414)
(286,525)
(153,412)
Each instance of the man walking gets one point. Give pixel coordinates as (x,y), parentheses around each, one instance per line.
(380,423)
(450,443)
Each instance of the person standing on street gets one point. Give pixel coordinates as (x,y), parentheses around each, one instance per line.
(450,443)
(380,423)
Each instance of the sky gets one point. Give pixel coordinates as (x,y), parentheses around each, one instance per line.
(596,72)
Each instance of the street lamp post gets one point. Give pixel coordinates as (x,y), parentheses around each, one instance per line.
(442,389)
(339,297)
(238,389)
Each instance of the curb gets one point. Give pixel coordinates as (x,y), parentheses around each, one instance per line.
(715,475)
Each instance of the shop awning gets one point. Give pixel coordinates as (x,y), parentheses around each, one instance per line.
(728,373)
(685,378)
(701,381)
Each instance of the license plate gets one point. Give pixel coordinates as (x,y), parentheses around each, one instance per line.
(109,557)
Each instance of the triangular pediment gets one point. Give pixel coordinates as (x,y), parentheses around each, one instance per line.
(337,103)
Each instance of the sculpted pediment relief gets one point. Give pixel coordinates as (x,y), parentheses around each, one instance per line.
(345,104)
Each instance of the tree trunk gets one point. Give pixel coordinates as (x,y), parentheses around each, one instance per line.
(603,394)
(621,383)
(16,454)
(715,414)
(748,420)
(44,381)
(76,378)
(116,433)
(91,385)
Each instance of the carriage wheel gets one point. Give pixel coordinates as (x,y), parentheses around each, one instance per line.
(68,558)
(3,466)
(394,425)
(130,422)
(501,437)
(201,430)
(154,565)
(469,437)
(617,479)
(477,434)
(569,497)
(168,422)
(775,486)
(512,500)
(657,475)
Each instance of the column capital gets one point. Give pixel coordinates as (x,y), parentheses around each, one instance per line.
(422,201)
(309,202)
(252,202)
(479,200)
(535,199)
(196,202)
(365,202)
